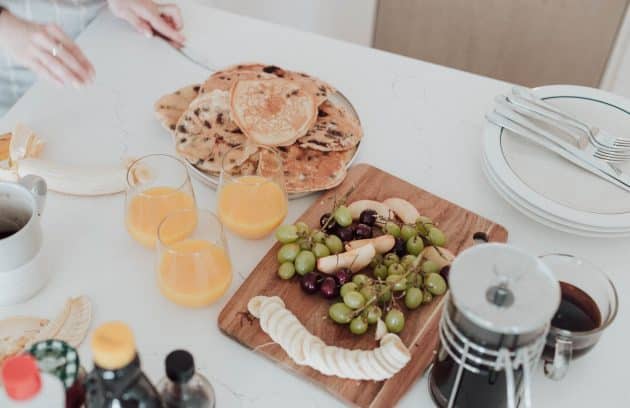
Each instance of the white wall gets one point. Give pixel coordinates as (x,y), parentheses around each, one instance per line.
(350,20)
(617,76)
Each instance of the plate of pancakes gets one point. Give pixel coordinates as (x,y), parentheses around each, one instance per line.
(313,127)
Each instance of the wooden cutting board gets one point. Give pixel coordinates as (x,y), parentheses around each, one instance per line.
(420,333)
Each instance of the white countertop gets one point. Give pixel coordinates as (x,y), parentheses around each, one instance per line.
(422,122)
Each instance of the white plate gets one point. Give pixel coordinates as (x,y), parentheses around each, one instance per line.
(545,218)
(337,99)
(567,193)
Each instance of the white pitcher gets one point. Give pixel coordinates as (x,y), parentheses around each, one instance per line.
(21,271)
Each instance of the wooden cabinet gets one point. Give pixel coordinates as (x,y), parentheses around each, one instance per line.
(530,42)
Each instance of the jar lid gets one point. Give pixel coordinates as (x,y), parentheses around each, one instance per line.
(503,289)
(180,366)
(21,378)
(113,345)
(58,358)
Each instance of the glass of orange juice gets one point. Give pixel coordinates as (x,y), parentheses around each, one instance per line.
(157,185)
(252,199)
(193,270)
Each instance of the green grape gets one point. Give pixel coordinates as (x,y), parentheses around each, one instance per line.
(415,245)
(377,260)
(395,321)
(414,280)
(288,252)
(287,234)
(395,269)
(302,229)
(348,287)
(318,236)
(340,313)
(391,258)
(408,231)
(413,298)
(305,262)
(320,250)
(384,293)
(342,216)
(360,279)
(354,300)
(408,260)
(358,325)
(397,282)
(427,297)
(334,243)
(305,244)
(380,271)
(286,270)
(392,228)
(430,266)
(372,314)
(368,292)
(435,283)
(437,237)
(423,224)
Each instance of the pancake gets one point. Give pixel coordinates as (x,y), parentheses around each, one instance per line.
(334,130)
(170,107)
(272,112)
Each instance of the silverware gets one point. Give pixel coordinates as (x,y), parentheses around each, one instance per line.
(604,170)
(524,97)
(506,109)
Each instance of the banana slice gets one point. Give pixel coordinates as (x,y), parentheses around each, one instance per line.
(305,349)
(403,209)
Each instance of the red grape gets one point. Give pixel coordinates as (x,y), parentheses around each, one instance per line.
(368,217)
(329,288)
(311,282)
(363,231)
(343,275)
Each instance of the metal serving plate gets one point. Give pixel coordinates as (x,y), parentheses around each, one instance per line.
(337,99)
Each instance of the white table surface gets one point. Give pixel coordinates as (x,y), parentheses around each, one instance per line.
(422,122)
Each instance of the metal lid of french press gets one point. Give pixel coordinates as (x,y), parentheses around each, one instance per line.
(503,289)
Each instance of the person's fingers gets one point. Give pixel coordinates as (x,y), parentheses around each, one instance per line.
(159,24)
(43,72)
(172,13)
(47,42)
(70,46)
(139,24)
(56,66)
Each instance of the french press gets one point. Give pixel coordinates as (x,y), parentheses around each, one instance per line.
(493,328)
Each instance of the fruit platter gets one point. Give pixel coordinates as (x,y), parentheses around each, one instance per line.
(350,295)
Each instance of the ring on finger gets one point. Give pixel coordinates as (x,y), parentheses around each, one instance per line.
(56,49)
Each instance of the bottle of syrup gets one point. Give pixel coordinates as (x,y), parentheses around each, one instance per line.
(183,387)
(117,379)
(26,387)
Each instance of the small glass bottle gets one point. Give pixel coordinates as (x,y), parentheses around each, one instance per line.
(26,387)
(117,379)
(182,386)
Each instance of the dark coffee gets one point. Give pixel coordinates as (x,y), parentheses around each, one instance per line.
(7,233)
(577,313)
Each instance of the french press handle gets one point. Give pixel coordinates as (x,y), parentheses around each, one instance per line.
(37,187)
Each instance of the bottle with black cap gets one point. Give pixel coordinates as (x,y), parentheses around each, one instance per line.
(182,386)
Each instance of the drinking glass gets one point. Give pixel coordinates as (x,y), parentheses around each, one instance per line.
(193,267)
(252,198)
(157,185)
(588,307)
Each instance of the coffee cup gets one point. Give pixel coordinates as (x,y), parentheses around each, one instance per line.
(21,206)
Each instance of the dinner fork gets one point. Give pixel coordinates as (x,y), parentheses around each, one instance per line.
(598,136)
(615,155)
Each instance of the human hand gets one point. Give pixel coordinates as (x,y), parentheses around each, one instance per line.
(46,50)
(150,18)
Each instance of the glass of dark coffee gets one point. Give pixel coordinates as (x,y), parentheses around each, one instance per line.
(588,306)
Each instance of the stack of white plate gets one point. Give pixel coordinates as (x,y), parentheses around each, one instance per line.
(551,190)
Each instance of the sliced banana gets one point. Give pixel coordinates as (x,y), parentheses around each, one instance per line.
(305,349)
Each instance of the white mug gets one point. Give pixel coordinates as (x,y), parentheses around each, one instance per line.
(21,206)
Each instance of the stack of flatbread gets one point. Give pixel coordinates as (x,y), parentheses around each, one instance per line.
(257,104)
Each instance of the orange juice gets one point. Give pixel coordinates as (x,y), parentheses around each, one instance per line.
(146,211)
(252,206)
(194,272)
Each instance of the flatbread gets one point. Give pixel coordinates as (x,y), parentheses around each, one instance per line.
(316,87)
(335,130)
(272,112)
(205,132)
(308,170)
(170,107)
(224,80)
